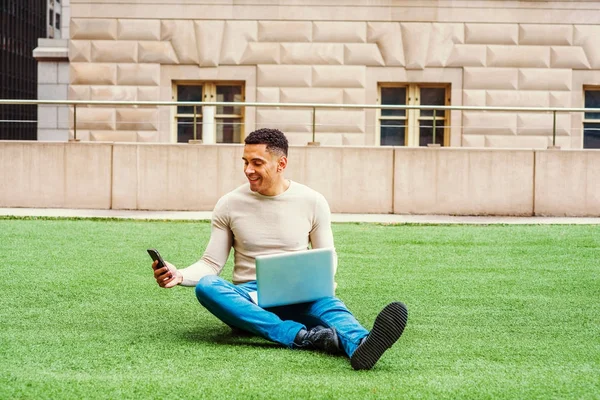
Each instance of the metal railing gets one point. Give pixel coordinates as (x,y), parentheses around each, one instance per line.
(312,106)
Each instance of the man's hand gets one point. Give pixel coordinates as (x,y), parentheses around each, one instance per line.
(167,276)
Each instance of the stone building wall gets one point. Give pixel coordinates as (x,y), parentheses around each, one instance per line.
(531,54)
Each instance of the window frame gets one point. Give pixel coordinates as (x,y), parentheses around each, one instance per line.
(209,93)
(413,116)
(589,120)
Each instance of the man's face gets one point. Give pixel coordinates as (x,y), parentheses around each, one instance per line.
(263,168)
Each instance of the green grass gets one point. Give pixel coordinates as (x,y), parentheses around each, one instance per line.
(494,312)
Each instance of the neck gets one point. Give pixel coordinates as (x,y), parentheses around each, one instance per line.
(279,188)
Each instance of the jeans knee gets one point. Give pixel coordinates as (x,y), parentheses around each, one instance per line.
(206,285)
(328,304)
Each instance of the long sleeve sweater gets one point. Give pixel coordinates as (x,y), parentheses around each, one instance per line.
(260,225)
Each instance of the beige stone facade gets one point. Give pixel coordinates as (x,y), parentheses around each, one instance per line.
(500,54)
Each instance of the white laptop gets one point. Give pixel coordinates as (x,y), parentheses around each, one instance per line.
(294,277)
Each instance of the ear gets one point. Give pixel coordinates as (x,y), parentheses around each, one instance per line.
(281,163)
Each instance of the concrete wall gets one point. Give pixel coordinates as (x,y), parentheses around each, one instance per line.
(182,177)
(465,182)
(567,183)
(174,177)
(512,53)
(353,179)
(55,175)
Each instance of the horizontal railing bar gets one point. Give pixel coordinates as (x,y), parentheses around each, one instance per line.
(293,105)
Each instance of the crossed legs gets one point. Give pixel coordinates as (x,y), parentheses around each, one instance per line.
(232,305)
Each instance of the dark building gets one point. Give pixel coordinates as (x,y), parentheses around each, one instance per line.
(22,22)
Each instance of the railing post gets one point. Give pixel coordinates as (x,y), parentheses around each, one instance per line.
(554,146)
(314,143)
(554,128)
(433,126)
(313,123)
(195,136)
(75,122)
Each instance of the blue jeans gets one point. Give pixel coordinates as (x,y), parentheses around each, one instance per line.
(232,305)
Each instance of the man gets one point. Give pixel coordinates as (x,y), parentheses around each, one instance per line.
(272,214)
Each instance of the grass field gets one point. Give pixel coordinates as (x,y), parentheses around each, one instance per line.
(494,312)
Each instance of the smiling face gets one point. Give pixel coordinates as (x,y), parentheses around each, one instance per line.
(264,169)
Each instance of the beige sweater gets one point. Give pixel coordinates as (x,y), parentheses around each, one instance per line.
(258,225)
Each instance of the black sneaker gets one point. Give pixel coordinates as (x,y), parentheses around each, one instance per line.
(387,329)
(318,338)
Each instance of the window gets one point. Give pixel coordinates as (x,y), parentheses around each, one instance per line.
(228,120)
(413,127)
(57,18)
(591,121)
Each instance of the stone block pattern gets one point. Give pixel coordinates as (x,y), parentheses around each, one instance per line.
(138,29)
(327,61)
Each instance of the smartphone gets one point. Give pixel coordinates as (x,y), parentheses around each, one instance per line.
(156,256)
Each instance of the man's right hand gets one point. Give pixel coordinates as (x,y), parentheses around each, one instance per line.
(167,276)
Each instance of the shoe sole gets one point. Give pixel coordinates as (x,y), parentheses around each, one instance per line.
(387,329)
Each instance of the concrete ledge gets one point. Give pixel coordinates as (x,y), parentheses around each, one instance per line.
(352,179)
(567,183)
(50,174)
(463,181)
(52,50)
(174,176)
(335,217)
(355,180)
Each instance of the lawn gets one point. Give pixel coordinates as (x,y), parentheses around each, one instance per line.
(494,312)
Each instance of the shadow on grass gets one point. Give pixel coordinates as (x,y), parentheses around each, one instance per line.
(228,336)
(236,337)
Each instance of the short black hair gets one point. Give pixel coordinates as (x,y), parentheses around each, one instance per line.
(273,138)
